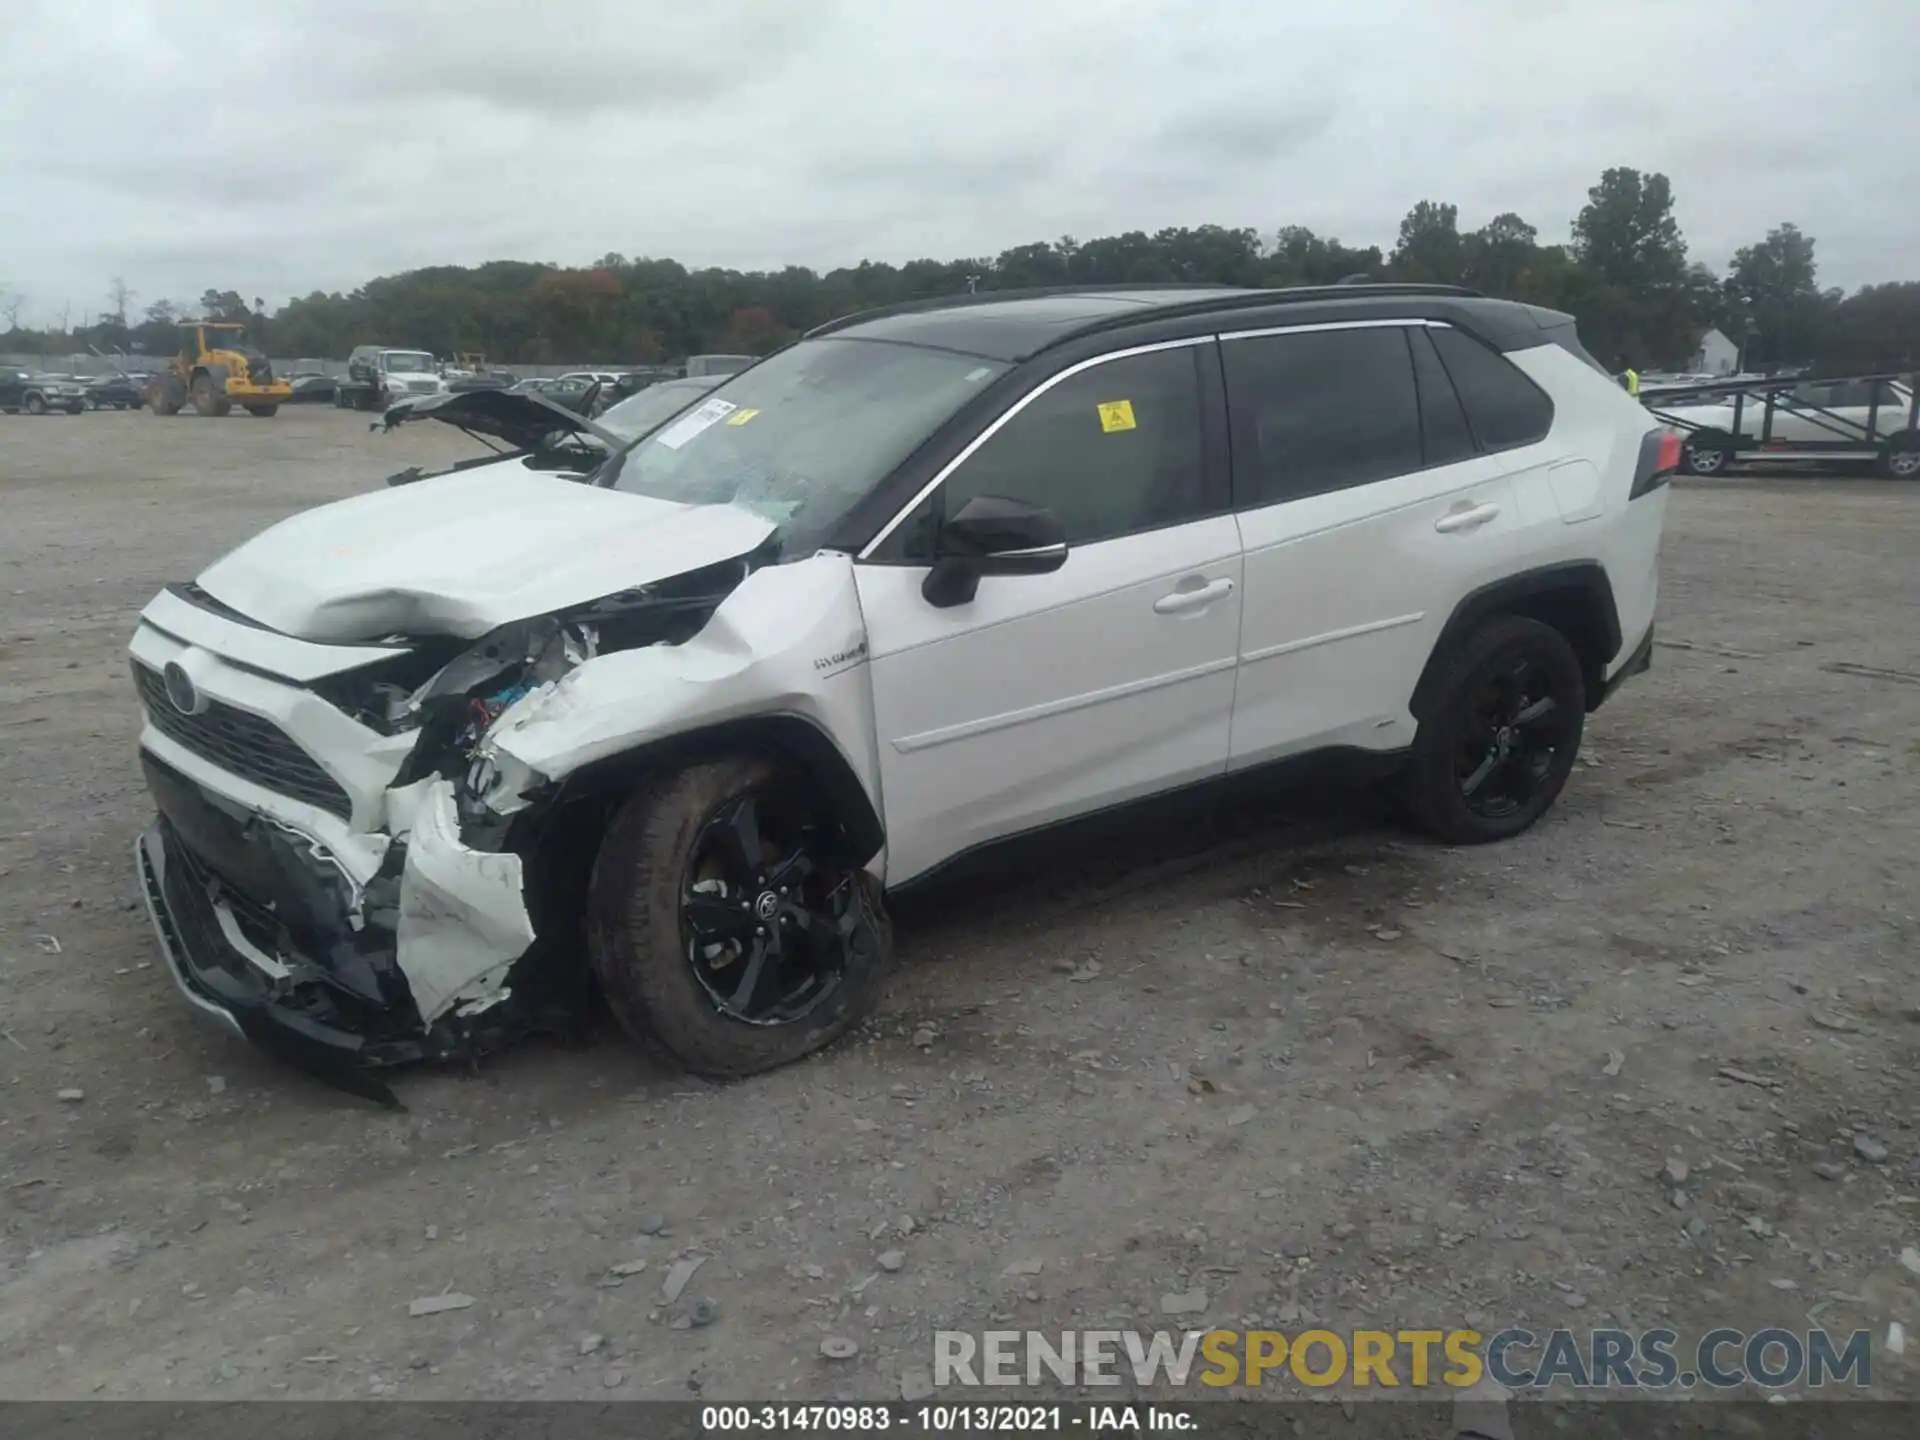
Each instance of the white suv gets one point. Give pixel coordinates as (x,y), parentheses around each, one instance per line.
(430,761)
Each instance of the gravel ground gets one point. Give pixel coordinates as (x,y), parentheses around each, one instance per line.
(1283,1053)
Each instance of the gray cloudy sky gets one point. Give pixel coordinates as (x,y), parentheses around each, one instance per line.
(284,147)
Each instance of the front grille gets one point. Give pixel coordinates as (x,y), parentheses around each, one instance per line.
(255,919)
(253,748)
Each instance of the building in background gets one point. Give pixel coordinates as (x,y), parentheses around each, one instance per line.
(1717,355)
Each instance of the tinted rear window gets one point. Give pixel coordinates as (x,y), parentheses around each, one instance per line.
(1504,407)
(1320,410)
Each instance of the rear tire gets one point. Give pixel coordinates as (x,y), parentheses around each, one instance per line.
(36,405)
(1707,457)
(1900,460)
(1500,739)
(263,412)
(819,956)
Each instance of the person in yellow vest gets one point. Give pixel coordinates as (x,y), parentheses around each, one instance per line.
(1630,378)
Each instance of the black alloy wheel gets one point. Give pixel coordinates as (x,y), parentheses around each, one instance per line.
(725,922)
(1498,734)
(1516,729)
(764,923)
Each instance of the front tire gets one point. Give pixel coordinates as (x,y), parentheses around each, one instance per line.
(36,405)
(263,412)
(206,399)
(723,927)
(1499,741)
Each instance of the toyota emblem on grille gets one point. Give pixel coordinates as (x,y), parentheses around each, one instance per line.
(181,691)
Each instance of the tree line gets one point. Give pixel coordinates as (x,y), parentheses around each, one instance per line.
(1625,273)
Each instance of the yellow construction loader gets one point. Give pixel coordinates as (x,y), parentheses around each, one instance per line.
(216,370)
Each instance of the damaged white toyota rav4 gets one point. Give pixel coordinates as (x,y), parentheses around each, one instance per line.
(434,762)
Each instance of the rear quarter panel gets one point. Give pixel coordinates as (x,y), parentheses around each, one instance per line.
(1569,515)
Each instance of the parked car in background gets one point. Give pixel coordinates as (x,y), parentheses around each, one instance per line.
(38,393)
(564,390)
(589,377)
(314,390)
(112,392)
(1854,419)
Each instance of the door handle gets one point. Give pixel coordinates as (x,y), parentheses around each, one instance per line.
(1185,601)
(1472,518)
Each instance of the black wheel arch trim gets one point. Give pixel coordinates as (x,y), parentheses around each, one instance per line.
(791,737)
(1554,593)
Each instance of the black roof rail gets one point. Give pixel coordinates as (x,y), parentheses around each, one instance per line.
(983,297)
(1208,297)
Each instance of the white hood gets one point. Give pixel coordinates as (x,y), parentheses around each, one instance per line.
(463,554)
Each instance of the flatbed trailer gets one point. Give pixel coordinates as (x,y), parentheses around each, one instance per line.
(1871,417)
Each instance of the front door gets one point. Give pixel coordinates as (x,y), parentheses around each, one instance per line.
(1048,696)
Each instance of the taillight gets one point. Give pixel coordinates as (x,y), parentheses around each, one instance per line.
(1659,461)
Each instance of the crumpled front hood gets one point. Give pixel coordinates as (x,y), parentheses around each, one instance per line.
(463,554)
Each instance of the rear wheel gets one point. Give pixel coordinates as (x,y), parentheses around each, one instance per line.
(1499,741)
(1901,459)
(263,412)
(36,405)
(1705,457)
(725,927)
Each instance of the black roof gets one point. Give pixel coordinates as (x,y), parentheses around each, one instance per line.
(1011,325)
(1008,324)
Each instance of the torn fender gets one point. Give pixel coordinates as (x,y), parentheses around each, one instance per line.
(463,913)
(789,640)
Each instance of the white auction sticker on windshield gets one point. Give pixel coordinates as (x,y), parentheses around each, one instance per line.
(703,417)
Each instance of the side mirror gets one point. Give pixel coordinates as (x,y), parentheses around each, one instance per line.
(991,535)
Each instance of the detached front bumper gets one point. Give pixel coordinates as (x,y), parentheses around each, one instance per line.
(265,936)
(215,976)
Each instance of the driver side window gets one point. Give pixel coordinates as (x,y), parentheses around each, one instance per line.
(1112,450)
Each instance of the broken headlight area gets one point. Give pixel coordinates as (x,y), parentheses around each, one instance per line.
(457,706)
(449,924)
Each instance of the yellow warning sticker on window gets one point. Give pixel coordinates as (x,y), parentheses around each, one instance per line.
(1116,415)
(740,417)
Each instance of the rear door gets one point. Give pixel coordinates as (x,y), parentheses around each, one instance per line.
(1366,510)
